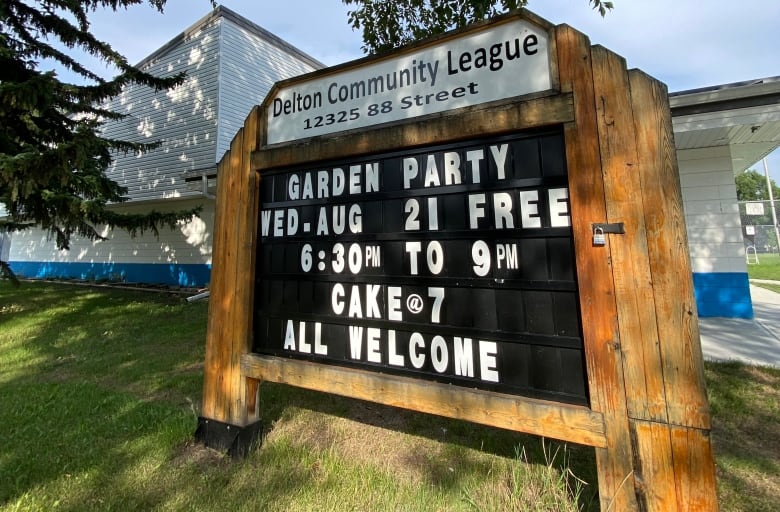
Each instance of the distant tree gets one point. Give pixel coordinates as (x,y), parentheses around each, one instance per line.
(751,186)
(53,157)
(388,25)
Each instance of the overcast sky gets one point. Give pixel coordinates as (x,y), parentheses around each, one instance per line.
(685,43)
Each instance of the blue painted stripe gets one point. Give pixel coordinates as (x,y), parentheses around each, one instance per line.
(724,294)
(172,274)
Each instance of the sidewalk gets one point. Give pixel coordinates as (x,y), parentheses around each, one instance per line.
(754,341)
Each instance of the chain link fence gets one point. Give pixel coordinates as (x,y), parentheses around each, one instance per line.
(758,229)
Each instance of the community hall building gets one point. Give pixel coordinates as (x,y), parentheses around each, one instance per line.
(232,63)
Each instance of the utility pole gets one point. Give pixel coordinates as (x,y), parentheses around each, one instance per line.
(772,204)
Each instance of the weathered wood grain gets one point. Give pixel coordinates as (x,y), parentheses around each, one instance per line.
(648,416)
(691,469)
(678,325)
(228,334)
(694,465)
(655,477)
(572,423)
(594,273)
(220,301)
(621,168)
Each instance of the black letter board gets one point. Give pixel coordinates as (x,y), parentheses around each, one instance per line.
(451,263)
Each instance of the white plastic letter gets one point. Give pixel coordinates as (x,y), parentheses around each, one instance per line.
(476,209)
(289,336)
(502,208)
(417,356)
(529,209)
(487,361)
(372,345)
(410,171)
(294,187)
(336,298)
(394,358)
(452,174)
(440,357)
(559,207)
(394,311)
(464,357)
(413,249)
(499,157)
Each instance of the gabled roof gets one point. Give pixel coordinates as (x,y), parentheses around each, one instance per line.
(235,18)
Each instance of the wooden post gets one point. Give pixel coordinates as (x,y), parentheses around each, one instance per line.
(594,273)
(687,469)
(651,386)
(228,413)
(648,417)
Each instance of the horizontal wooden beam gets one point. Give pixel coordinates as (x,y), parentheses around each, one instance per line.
(572,423)
(471,122)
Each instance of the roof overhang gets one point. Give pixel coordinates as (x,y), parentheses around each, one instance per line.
(744,116)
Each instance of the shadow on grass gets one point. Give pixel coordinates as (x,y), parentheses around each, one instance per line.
(99,394)
(745,402)
(63,432)
(87,384)
(460,443)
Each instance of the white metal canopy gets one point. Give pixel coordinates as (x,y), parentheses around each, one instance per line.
(743,115)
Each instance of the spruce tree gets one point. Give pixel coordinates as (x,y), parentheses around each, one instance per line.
(53,157)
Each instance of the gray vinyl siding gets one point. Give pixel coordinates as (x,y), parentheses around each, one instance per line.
(183,118)
(189,243)
(231,65)
(250,66)
(230,68)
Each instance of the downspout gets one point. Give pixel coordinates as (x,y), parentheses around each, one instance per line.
(204,181)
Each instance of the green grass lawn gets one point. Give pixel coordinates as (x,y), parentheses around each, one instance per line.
(100,391)
(767,268)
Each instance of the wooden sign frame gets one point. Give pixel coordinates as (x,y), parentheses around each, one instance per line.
(649,417)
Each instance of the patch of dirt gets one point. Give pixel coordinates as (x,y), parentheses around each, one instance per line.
(192,453)
(372,435)
(7,309)
(196,367)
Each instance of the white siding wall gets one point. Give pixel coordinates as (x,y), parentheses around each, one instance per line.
(230,68)
(249,66)
(189,244)
(184,118)
(711,211)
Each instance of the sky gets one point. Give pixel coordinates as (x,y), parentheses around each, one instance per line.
(680,42)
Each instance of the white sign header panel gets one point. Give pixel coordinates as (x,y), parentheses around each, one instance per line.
(503,61)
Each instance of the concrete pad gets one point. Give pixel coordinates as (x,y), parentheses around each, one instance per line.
(754,341)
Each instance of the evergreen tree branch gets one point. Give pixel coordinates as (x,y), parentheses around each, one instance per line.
(7,273)
(53,157)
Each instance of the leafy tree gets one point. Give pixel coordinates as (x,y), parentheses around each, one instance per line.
(388,25)
(751,186)
(52,155)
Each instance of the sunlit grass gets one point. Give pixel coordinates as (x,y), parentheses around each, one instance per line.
(768,268)
(98,404)
(100,390)
(745,403)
